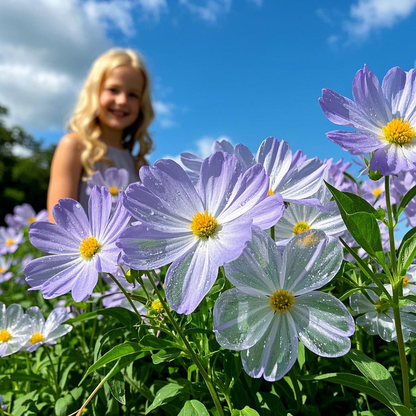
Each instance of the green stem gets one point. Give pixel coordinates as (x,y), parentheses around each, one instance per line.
(194,357)
(126,295)
(390,227)
(55,377)
(298,393)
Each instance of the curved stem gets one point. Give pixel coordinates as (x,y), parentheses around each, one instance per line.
(194,357)
(126,295)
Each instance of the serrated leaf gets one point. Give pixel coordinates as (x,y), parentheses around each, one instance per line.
(193,408)
(164,395)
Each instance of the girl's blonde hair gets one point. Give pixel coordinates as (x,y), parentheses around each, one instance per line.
(84,120)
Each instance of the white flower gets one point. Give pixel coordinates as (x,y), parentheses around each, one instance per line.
(377,317)
(15,329)
(46,332)
(275,303)
(299,218)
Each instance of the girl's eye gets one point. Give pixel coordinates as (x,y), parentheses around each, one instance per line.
(113,90)
(133,95)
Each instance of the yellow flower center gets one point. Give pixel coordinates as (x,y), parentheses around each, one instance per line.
(300,227)
(405,281)
(9,242)
(281,301)
(88,247)
(382,306)
(113,190)
(36,337)
(157,306)
(203,225)
(377,192)
(31,219)
(5,335)
(398,131)
(270,192)
(2,269)
(308,240)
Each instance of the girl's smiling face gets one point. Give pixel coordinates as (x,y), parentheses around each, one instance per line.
(120,94)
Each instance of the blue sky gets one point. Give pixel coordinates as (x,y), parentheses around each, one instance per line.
(242,70)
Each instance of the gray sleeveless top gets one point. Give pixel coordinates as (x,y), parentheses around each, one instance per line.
(122,158)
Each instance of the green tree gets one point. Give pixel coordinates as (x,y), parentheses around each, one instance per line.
(22,179)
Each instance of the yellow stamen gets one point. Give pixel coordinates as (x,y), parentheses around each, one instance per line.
(377,192)
(203,225)
(382,305)
(405,281)
(281,301)
(270,192)
(5,335)
(9,242)
(2,269)
(36,337)
(300,227)
(309,240)
(157,306)
(113,190)
(399,131)
(88,247)
(31,219)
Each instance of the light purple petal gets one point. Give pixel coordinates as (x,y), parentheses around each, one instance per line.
(36,317)
(244,155)
(323,324)
(99,209)
(240,320)
(84,283)
(59,332)
(275,353)
(51,238)
(70,216)
(189,279)
(391,160)
(268,212)
(353,142)
(55,318)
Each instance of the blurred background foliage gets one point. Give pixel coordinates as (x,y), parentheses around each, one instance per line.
(24,168)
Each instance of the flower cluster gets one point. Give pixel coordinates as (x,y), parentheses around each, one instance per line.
(19,331)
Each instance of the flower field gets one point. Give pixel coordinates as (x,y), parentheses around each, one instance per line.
(242,284)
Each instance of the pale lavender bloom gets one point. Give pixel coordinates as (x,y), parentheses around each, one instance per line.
(5,263)
(81,247)
(299,218)
(384,118)
(275,303)
(15,329)
(46,332)
(114,179)
(377,317)
(24,215)
(373,192)
(10,240)
(197,229)
(337,177)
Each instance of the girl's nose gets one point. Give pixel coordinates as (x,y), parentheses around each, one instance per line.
(121,98)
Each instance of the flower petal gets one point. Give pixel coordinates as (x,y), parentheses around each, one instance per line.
(354,142)
(275,353)
(391,160)
(36,316)
(55,318)
(240,320)
(99,209)
(70,216)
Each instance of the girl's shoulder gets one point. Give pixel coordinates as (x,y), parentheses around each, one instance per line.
(71,142)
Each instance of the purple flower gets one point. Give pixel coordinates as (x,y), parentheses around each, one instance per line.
(197,229)
(5,264)
(24,215)
(81,247)
(46,332)
(10,240)
(337,177)
(114,179)
(384,118)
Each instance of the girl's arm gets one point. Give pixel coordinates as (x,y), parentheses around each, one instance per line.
(66,171)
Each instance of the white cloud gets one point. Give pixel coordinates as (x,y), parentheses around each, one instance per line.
(211,11)
(323,15)
(369,15)
(164,114)
(21,151)
(154,7)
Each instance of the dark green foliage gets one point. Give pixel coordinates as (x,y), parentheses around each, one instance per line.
(22,179)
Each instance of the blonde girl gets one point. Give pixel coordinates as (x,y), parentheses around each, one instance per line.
(113,113)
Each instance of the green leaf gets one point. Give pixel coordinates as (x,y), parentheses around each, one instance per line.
(163,356)
(123,315)
(119,351)
(117,387)
(378,375)
(25,405)
(361,220)
(193,408)
(164,395)
(150,342)
(64,405)
(406,199)
(247,411)
(301,355)
(407,254)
